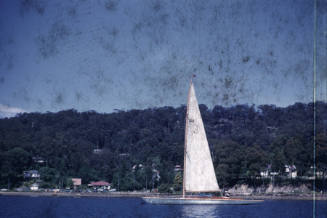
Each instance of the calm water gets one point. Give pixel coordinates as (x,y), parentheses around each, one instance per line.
(134,207)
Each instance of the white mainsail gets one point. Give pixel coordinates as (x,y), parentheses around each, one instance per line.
(199,174)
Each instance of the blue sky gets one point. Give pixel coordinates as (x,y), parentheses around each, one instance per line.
(133,54)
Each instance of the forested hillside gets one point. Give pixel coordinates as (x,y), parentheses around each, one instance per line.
(243,139)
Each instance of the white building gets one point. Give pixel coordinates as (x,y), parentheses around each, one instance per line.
(34,174)
(264,174)
(291,171)
(34,187)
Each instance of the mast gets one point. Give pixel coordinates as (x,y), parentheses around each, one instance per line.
(185,136)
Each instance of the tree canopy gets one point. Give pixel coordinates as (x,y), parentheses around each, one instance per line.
(243,140)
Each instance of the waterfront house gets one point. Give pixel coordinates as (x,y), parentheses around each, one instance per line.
(100,185)
(34,187)
(291,171)
(266,172)
(77,182)
(321,174)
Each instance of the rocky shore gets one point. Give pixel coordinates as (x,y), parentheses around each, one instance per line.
(276,192)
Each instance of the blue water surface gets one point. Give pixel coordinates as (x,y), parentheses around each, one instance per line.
(22,206)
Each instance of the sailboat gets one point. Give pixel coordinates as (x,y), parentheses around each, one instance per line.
(199,174)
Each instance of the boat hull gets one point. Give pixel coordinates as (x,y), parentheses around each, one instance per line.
(207,201)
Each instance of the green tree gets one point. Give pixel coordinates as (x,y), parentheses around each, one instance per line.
(321,147)
(50,177)
(178,182)
(15,162)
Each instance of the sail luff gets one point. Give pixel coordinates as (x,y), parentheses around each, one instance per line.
(185,137)
(199,175)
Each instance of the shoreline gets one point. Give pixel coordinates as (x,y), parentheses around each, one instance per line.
(319,197)
(282,197)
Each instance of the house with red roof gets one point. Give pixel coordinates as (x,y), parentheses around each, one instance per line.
(100,185)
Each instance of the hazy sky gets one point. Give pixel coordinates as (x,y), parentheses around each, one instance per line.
(106,55)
